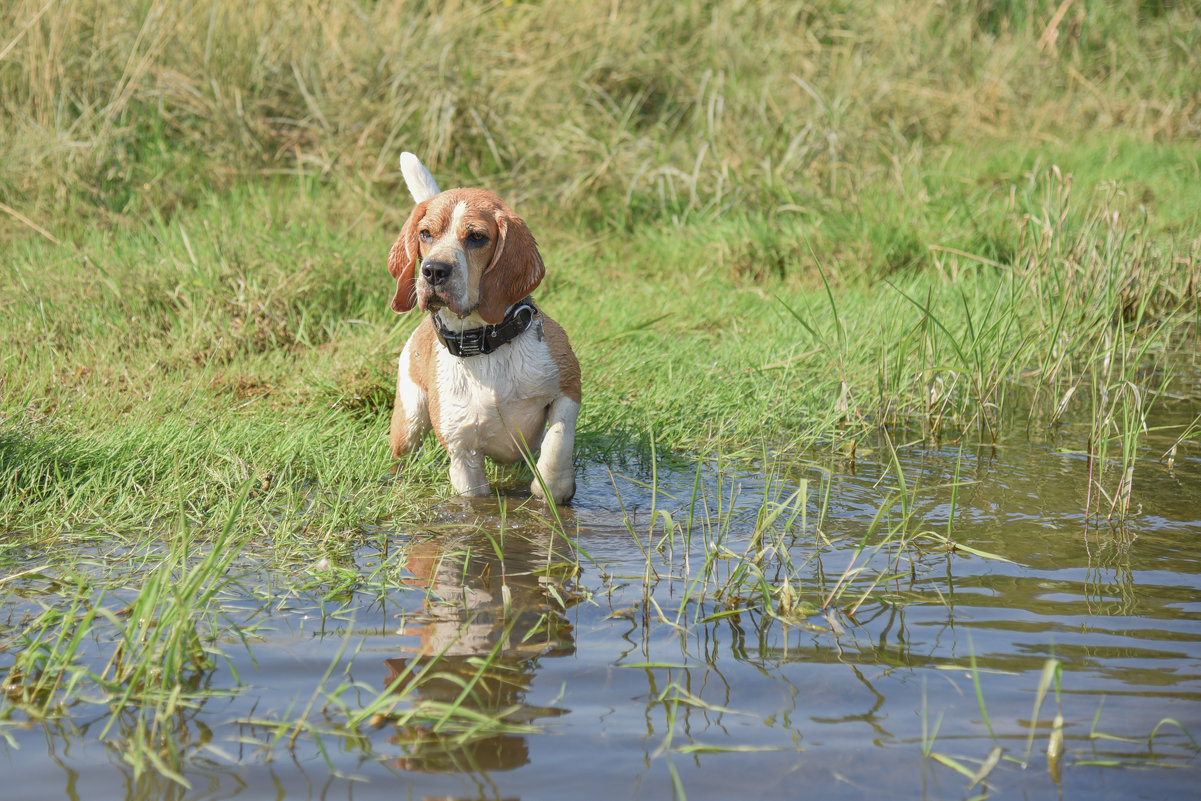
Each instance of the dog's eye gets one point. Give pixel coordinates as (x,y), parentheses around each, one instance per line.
(425,235)
(476,239)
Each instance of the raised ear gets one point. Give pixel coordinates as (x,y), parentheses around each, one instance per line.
(402,262)
(515,271)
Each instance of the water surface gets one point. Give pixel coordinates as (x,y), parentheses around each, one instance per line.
(636,658)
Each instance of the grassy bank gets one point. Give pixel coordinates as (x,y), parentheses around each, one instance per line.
(246,340)
(763,224)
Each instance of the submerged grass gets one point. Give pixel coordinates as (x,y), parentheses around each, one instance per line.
(142,660)
(1140,751)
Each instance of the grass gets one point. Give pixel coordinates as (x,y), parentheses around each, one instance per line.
(1138,750)
(206,321)
(775,234)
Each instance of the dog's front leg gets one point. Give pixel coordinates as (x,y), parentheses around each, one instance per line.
(555,459)
(410,411)
(467,473)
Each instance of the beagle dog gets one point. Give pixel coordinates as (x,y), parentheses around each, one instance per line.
(486,369)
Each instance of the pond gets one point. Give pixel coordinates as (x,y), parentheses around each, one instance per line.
(922,622)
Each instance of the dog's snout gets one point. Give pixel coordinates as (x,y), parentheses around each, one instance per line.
(435,273)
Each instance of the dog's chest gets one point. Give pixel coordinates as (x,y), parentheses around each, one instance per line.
(494,402)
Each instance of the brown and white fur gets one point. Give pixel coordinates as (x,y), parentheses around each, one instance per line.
(466,257)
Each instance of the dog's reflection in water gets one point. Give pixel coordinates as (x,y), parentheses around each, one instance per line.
(493,611)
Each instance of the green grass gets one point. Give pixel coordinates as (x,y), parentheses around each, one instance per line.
(189,356)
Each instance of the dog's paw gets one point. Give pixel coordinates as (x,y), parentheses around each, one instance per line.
(561,488)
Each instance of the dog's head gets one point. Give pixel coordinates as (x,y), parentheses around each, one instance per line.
(464,250)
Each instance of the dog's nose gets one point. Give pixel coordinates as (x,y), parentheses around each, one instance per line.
(435,273)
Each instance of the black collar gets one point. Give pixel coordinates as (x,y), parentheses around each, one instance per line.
(485,340)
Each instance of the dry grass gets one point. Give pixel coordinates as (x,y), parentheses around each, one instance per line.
(615,111)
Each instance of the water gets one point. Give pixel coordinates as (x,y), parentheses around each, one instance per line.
(641,677)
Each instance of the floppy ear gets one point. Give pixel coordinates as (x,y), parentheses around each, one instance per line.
(402,262)
(515,271)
